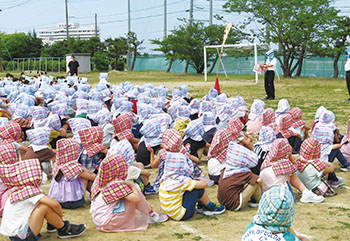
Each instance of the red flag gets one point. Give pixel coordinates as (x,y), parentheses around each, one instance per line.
(217,85)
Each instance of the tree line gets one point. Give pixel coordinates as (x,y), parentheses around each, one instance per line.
(301,29)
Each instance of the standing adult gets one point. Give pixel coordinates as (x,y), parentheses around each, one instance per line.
(347,68)
(270,67)
(73,66)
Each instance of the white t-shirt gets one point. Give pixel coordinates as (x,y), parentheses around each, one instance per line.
(16,216)
(347,65)
(272,62)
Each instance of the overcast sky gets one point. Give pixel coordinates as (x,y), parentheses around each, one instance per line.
(147,15)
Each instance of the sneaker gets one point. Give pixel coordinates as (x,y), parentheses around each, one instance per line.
(253,203)
(156,217)
(345,169)
(200,207)
(150,190)
(310,197)
(215,209)
(71,230)
(336,184)
(50,228)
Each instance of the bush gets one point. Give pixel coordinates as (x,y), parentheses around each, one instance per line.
(100,61)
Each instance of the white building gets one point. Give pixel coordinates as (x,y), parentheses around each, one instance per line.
(49,36)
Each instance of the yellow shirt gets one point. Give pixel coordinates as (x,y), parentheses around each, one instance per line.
(171,201)
(180,125)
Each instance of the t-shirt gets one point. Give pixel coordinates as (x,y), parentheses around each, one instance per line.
(310,177)
(73,67)
(171,202)
(230,188)
(101,212)
(255,232)
(272,62)
(16,216)
(215,167)
(269,178)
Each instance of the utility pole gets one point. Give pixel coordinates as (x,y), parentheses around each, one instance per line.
(129,30)
(67,24)
(165,19)
(211,12)
(191,12)
(96,35)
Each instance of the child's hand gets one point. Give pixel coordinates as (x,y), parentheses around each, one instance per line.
(150,149)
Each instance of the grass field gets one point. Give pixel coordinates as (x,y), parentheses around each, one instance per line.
(326,221)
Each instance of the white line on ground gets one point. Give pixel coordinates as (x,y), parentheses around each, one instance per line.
(301,234)
(194,231)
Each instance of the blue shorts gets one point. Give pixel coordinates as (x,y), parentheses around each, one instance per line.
(30,236)
(73,204)
(189,201)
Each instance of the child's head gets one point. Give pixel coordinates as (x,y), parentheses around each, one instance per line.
(276,209)
(91,139)
(257,109)
(122,127)
(195,130)
(235,125)
(283,106)
(284,124)
(172,140)
(266,136)
(11,132)
(297,115)
(310,149)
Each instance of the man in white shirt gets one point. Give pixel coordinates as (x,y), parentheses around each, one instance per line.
(347,68)
(270,67)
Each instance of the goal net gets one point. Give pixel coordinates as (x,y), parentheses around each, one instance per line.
(233,58)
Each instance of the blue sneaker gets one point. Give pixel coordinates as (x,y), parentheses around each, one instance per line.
(215,209)
(150,190)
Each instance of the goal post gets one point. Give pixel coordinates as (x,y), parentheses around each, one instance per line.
(229,46)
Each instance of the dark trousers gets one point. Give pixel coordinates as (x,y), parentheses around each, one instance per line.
(269,87)
(348,81)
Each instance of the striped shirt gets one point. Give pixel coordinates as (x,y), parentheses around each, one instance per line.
(171,201)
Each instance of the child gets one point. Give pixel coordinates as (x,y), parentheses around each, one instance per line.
(262,147)
(278,169)
(116,205)
(27,206)
(122,130)
(254,123)
(274,218)
(311,171)
(284,123)
(268,119)
(178,192)
(70,179)
(223,116)
(194,105)
(345,149)
(236,127)
(159,160)
(194,136)
(12,133)
(104,119)
(283,108)
(183,118)
(237,183)
(94,151)
(209,123)
(299,128)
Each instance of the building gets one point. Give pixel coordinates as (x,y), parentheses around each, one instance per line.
(49,36)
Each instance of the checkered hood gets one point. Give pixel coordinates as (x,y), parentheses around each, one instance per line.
(39,136)
(286,122)
(10,133)
(95,95)
(297,115)
(219,145)
(164,120)
(151,131)
(110,180)
(195,130)
(205,106)
(224,112)
(23,177)
(310,153)
(106,94)
(22,111)
(238,160)
(4,121)
(125,107)
(67,155)
(145,111)
(60,109)
(122,127)
(93,107)
(103,117)
(8,154)
(266,136)
(78,124)
(323,134)
(53,121)
(278,158)
(183,112)
(235,125)
(161,91)
(257,109)
(82,105)
(194,105)
(91,139)
(172,140)
(319,111)
(209,120)
(125,149)
(176,92)
(213,93)
(159,103)
(183,89)
(176,171)
(327,119)
(276,209)
(39,112)
(283,107)
(145,99)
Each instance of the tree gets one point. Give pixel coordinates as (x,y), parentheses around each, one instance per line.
(293,24)
(117,49)
(100,59)
(167,46)
(134,46)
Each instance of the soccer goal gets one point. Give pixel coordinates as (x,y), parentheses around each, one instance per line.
(218,47)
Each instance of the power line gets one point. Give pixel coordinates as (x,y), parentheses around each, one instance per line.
(17,5)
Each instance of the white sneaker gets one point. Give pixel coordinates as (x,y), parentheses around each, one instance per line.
(156,217)
(345,169)
(310,197)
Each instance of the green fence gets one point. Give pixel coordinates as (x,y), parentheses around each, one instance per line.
(316,66)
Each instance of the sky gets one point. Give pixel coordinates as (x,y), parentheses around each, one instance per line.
(147,18)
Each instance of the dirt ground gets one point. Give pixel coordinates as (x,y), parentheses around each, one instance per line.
(329,220)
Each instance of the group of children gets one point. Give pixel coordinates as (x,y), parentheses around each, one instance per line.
(97,144)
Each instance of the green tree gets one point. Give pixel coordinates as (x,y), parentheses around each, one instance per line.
(167,46)
(134,46)
(117,50)
(100,60)
(57,49)
(293,24)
